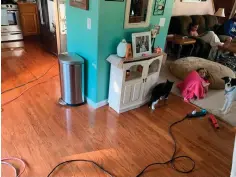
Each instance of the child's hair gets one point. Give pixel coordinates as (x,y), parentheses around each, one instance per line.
(192,25)
(207,73)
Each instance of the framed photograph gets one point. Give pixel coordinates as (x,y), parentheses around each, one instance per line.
(159,7)
(82,4)
(141,44)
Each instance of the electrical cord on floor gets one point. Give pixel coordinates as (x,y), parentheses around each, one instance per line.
(3,161)
(12,167)
(171,161)
(173,157)
(81,160)
(26,91)
(37,78)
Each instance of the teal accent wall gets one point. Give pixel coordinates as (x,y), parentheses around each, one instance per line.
(111,32)
(84,42)
(97,44)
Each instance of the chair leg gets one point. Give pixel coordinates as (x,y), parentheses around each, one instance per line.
(179,51)
(191,51)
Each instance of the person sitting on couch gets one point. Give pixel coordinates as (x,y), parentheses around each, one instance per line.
(229,28)
(209,37)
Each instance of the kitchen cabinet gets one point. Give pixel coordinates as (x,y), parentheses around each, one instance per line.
(131,82)
(29,18)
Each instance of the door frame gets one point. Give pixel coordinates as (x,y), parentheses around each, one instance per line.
(57,23)
(43,21)
(233,10)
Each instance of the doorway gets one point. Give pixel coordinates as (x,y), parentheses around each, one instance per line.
(44,32)
(53,25)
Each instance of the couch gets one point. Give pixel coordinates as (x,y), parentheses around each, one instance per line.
(180,25)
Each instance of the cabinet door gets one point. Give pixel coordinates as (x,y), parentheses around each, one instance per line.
(29,23)
(150,82)
(152,71)
(133,83)
(137,89)
(127,94)
(155,66)
(132,93)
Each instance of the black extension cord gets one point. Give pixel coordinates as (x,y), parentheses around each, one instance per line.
(171,161)
(81,160)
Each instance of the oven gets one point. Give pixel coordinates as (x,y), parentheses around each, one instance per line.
(10,25)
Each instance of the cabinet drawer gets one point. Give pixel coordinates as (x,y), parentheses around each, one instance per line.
(28,8)
(29,24)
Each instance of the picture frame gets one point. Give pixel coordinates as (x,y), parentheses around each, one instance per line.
(82,4)
(159,7)
(141,44)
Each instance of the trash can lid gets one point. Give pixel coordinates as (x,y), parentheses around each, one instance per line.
(70,58)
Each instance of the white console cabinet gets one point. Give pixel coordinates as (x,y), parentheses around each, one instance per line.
(132,80)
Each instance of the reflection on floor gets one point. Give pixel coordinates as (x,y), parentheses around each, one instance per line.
(22,65)
(43,133)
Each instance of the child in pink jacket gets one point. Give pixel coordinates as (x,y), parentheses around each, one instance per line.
(195,85)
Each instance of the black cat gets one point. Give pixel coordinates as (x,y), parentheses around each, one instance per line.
(160,92)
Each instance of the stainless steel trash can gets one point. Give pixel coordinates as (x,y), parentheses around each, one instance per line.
(72,79)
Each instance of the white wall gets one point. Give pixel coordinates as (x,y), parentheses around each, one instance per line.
(193,8)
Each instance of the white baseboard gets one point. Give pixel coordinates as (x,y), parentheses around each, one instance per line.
(97,105)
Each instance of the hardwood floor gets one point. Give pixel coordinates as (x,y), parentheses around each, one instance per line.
(43,133)
(25,65)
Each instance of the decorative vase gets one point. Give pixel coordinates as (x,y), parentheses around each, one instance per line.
(121,48)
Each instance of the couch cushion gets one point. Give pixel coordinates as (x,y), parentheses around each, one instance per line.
(199,19)
(211,22)
(180,68)
(183,23)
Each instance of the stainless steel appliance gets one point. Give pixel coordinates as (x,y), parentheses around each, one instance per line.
(72,79)
(10,25)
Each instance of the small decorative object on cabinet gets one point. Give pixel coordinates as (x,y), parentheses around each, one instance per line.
(159,7)
(129,53)
(29,18)
(82,4)
(131,81)
(141,43)
(158,50)
(121,48)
